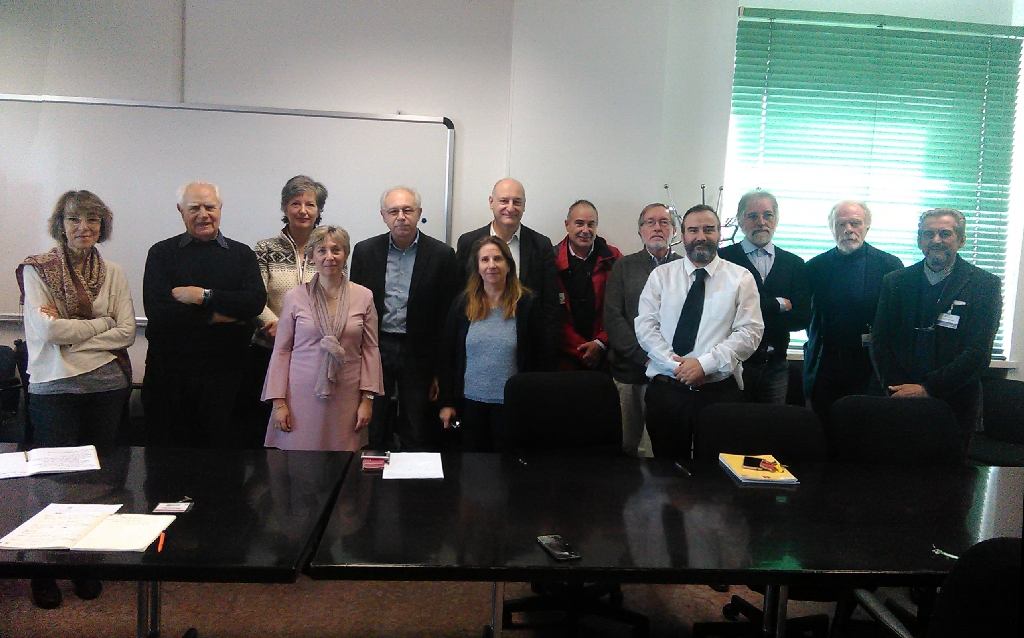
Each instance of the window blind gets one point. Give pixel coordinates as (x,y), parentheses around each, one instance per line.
(903,114)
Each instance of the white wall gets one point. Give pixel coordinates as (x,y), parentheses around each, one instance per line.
(605,100)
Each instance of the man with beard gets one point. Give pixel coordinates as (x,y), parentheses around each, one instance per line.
(781,280)
(699,319)
(583,261)
(844,284)
(936,322)
(628,361)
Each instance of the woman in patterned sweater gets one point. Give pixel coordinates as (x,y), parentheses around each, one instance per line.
(284,265)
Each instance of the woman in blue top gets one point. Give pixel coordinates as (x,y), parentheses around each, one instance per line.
(494,330)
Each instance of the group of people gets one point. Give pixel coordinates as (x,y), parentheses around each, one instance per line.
(284,346)
(287,347)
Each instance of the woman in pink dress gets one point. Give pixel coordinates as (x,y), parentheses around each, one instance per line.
(325,369)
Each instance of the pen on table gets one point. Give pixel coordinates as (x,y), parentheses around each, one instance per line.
(26,455)
(160,543)
(679,466)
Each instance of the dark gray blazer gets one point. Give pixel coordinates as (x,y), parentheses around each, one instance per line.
(621,306)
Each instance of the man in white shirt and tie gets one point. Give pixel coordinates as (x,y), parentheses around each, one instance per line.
(699,319)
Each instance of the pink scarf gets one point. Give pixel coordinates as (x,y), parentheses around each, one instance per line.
(330,329)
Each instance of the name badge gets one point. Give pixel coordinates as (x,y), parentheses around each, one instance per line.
(947,320)
(561,298)
(865,339)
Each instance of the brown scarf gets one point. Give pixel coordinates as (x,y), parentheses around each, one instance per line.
(331,330)
(74,292)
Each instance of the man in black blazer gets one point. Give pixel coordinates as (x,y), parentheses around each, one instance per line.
(533,252)
(414,279)
(785,298)
(845,283)
(936,322)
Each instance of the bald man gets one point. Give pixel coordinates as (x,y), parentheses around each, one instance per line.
(532,251)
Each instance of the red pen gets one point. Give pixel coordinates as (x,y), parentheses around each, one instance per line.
(160,543)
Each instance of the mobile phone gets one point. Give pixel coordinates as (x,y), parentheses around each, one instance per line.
(558,547)
(752,462)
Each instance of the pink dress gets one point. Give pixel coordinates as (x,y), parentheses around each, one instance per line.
(329,423)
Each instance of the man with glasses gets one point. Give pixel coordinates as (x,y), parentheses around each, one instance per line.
(532,251)
(936,322)
(414,279)
(785,298)
(627,360)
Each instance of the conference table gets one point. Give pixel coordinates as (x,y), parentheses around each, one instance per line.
(256,517)
(656,521)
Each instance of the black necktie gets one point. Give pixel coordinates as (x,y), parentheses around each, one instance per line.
(689,319)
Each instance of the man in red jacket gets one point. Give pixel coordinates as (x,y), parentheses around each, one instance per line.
(583,261)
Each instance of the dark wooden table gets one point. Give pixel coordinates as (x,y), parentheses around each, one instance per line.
(648,521)
(257,516)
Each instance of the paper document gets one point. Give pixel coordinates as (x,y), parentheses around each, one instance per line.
(414,465)
(48,460)
(58,526)
(125,533)
(778,475)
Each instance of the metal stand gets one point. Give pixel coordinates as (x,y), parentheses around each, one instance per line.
(148,624)
(776,597)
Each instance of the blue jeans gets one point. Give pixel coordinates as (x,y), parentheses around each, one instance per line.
(60,420)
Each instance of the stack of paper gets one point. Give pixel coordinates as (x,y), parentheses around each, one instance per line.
(87,527)
(780,476)
(414,465)
(48,460)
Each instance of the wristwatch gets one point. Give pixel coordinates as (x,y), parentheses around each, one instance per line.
(207,294)
(369,395)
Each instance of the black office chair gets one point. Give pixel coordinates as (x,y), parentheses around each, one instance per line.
(1002,442)
(979,597)
(878,430)
(573,413)
(21,360)
(10,384)
(792,435)
(886,431)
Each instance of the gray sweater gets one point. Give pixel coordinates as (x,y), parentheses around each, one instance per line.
(621,303)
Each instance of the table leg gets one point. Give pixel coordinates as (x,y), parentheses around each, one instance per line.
(148,619)
(782,600)
(497,608)
(771,594)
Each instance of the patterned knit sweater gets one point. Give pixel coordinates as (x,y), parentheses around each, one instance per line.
(282,269)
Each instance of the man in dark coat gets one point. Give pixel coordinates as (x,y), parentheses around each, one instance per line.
(413,278)
(936,322)
(844,283)
(533,253)
(781,280)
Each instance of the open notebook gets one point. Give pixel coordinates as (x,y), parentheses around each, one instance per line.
(87,527)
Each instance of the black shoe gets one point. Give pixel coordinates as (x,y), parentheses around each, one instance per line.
(87,589)
(720,588)
(45,593)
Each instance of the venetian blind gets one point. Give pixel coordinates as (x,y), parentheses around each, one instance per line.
(903,114)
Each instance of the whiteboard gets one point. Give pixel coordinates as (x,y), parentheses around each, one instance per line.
(135,155)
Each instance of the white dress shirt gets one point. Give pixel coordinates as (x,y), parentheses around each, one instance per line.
(513,247)
(730,327)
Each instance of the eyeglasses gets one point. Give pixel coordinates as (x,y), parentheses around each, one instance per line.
(945,234)
(660,223)
(408,211)
(767,216)
(75,220)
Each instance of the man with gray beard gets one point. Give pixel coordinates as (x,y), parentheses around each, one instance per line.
(627,360)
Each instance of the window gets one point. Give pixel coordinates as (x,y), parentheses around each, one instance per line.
(903,114)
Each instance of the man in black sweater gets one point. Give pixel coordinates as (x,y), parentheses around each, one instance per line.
(201,292)
(785,298)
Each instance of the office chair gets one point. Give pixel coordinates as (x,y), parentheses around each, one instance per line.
(574,413)
(10,384)
(1002,441)
(979,597)
(887,431)
(792,435)
(21,359)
